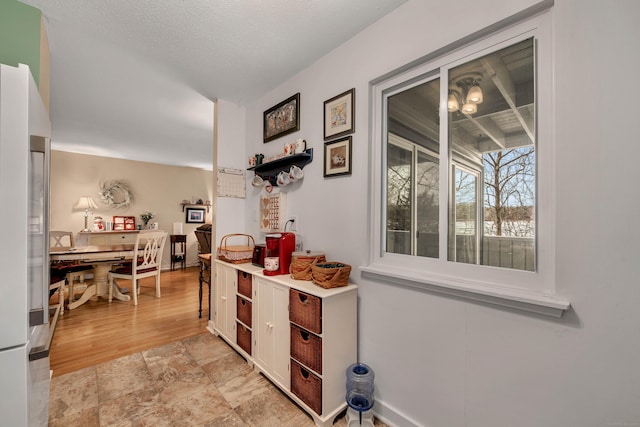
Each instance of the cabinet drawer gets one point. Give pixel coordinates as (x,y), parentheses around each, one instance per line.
(121,239)
(110,238)
(243,337)
(305,310)
(243,311)
(307,386)
(244,284)
(306,348)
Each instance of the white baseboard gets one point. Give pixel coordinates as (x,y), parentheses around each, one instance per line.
(392,417)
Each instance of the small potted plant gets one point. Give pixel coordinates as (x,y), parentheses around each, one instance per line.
(146,217)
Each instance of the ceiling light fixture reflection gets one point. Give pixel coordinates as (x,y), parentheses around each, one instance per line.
(452,101)
(466,94)
(475,93)
(469,108)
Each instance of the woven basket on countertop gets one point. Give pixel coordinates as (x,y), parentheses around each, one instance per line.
(236,254)
(330,274)
(301,262)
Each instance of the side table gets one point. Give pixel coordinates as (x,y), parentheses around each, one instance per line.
(178,250)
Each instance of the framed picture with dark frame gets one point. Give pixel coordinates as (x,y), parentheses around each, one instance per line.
(337,157)
(339,115)
(195,215)
(282,119)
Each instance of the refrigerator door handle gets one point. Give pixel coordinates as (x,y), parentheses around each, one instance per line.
(38,234)
(41,352)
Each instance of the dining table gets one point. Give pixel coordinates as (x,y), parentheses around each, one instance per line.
(101,258)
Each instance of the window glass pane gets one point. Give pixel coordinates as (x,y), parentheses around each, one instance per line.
(398,200)
(491,108)
(428,206)
(466,215)
(509,228)
(412,170)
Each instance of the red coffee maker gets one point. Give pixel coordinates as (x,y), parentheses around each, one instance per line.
(280,245)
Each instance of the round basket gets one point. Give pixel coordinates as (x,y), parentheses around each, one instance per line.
(300,267)
(330,274)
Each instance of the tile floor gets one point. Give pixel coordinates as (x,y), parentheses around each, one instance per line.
(199,381)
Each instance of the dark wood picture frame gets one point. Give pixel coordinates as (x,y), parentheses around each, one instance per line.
(337,157)
(195,215)
(340,115)
(281,119)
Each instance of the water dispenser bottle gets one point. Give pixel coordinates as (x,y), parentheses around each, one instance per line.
(360,394)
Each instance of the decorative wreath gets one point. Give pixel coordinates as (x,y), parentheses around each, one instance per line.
(116,193)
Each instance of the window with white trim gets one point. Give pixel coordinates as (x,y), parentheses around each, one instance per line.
(462,172)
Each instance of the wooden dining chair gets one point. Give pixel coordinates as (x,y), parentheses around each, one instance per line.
(73,273)
(203,235)
(148,247)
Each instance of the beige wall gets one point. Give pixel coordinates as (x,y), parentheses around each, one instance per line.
(157,188)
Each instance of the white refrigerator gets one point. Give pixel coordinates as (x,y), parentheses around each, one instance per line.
(26,320)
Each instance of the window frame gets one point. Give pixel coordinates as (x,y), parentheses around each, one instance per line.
(529,291)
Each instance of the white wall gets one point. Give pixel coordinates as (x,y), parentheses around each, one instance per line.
(157,188)
(230,154)
(443,362)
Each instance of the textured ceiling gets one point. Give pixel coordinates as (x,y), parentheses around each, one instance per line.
(135,79)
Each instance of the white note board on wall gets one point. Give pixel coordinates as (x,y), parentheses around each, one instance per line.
(231,183)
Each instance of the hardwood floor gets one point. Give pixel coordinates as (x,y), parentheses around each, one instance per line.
(97,331)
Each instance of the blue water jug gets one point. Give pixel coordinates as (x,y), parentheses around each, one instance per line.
(360,387)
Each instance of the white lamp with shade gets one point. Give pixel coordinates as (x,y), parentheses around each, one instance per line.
(84,204)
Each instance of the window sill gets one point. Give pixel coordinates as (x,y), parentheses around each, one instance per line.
(513,298)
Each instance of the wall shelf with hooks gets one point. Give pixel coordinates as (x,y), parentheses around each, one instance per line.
(270,170)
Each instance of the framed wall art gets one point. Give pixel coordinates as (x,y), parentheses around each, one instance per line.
(282,119)
(124,222)
(339,115)
(337,157)
(195,215)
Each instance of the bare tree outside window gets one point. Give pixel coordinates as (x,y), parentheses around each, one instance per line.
(509,193)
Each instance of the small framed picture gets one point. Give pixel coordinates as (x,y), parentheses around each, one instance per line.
(282,119)
(337,157)
(195,215)
(339,115)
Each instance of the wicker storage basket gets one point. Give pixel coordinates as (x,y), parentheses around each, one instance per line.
(243,310)
(330,274)
(301,262)
(243,337)
(244,284)
(307,386)
(236,254)
(306,348)
(305,310)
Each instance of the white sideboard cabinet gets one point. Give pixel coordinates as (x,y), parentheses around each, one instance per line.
(225,302)
(314,379)
(272,331)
